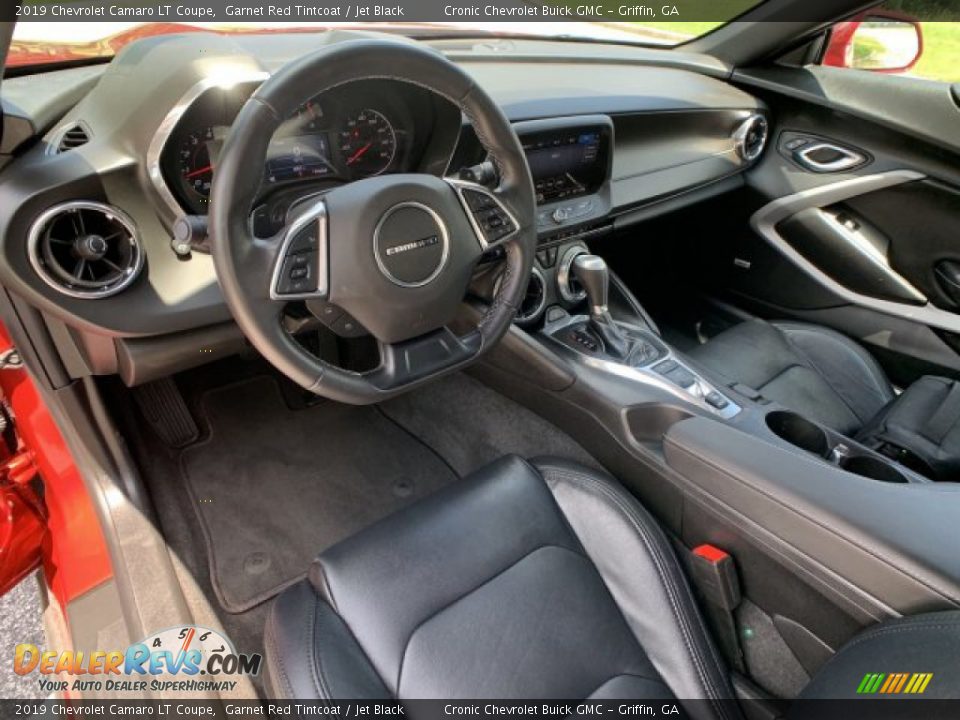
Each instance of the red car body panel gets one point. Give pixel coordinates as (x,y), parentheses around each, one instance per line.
(62,531)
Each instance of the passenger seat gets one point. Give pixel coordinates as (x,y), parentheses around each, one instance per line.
(830,379)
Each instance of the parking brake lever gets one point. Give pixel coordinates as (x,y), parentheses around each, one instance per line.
(592,273)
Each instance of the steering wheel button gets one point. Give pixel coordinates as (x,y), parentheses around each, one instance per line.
(296,277)
(300,260)
(304,241)
(477,200)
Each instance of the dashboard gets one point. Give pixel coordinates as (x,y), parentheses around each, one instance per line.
(610,141)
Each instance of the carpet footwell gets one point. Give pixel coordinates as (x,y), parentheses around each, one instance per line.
(469,425)
(274,486)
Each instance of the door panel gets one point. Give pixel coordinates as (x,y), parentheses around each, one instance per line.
(922,221)
(849,250)
(881,237)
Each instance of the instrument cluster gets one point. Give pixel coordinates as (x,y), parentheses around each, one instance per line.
(344,135)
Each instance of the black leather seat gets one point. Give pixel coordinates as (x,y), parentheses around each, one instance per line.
(526,580)
(537,580)
(812,370)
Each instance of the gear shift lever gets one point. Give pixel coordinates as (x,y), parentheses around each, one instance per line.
(592,273)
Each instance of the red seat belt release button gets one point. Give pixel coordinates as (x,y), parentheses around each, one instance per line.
(716,576)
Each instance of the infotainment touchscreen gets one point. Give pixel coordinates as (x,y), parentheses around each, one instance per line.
(567,163)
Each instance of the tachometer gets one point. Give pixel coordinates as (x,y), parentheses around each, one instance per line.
(196,166)
(368,143)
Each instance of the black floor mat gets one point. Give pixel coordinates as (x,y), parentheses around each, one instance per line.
(273,487)
(470,425)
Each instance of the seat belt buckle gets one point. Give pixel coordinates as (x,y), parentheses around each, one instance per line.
(716,576)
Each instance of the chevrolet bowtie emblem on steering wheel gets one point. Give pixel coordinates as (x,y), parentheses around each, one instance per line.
(415,245)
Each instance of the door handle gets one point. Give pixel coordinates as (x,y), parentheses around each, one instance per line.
(825,157)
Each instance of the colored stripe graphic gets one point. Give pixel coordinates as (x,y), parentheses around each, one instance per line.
(903,681)
(894,683)
(870,683)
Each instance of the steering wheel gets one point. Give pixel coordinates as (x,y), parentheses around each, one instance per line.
(395,252)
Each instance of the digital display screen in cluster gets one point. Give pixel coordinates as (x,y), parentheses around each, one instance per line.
(301,156)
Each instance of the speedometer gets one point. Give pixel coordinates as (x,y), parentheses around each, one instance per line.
(368,143)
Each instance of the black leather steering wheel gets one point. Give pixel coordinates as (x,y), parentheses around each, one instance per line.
(396,252)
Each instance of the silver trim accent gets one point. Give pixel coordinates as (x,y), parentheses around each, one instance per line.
(766,219)
(741,133)
(33,251)
(696,394)
(563,274)
(850,160)
(459,186)
(444,237)
(172,118)
(317,213)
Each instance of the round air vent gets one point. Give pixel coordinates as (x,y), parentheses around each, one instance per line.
(533,303)
(85,249)
(750,137)
(567,283)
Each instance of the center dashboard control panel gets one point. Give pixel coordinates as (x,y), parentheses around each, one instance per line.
(565,213)
(566,163)
(570,163)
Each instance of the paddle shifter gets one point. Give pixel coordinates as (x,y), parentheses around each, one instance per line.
(592,273)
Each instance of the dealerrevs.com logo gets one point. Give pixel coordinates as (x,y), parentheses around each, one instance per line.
(183,659)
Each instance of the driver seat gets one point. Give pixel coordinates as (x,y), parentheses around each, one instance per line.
(540,579)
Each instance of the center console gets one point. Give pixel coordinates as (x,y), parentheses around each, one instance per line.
(627,350)
(798,505)
(571,292)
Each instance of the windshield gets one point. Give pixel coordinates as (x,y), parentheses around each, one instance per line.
(38,43)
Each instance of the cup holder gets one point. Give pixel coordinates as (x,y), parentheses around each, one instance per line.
(873,468)
(798,431)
